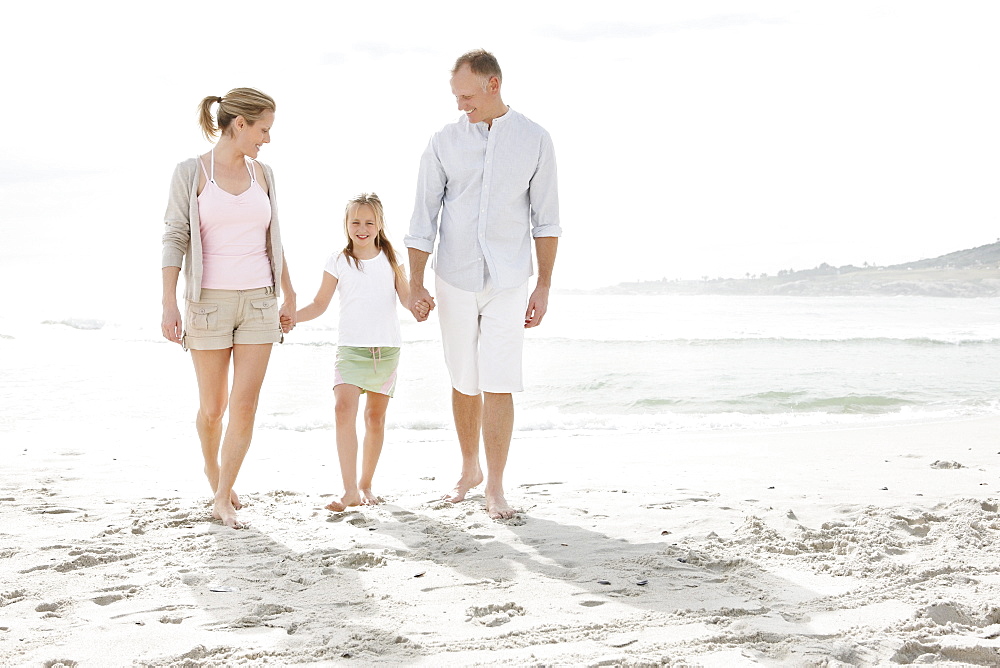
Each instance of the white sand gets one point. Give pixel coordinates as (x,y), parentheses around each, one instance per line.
(828,548)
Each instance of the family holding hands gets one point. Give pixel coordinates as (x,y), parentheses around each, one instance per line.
(486,192)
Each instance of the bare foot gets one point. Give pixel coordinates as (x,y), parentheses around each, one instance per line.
(225,512)
(498,508)
(213,482)
(463,486)
(368,498)
(345,501)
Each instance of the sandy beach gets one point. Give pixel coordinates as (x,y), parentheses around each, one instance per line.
(835,547)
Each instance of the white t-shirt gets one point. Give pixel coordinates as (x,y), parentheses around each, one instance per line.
(367,301)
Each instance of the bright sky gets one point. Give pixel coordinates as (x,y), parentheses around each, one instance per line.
(693,138)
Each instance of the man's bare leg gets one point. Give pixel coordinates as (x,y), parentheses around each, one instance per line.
(212,371)
(346,411)
(249,367)
(468,413)
(498,427)
(375,407)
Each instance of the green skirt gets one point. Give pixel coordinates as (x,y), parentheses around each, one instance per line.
(371,369)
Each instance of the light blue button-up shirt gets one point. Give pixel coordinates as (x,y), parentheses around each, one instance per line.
(483,194)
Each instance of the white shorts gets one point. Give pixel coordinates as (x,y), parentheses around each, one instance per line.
(483,336)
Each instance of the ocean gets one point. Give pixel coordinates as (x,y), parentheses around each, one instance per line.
(598,362)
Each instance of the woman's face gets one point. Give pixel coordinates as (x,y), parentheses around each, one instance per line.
(255,135)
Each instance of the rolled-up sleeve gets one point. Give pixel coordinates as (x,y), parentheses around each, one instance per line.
(177,222)
(543,193)
(431,182)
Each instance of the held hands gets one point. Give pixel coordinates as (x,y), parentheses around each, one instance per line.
(421,303)
(286,316)
(421,310)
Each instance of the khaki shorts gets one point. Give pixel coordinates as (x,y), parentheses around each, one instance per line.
(222,318)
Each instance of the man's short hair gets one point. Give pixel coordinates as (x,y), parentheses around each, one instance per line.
(481,63)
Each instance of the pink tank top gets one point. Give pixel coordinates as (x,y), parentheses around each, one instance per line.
(234,235)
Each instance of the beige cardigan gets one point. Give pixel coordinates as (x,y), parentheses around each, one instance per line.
(182,237)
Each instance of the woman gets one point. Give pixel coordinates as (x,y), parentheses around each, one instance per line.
(222,227)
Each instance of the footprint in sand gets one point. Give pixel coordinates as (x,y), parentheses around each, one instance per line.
(91,558)
(8,597)
(261,614)
(493,614)
(107,600)
(361,561)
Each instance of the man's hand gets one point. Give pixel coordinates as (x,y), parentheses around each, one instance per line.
(538,304)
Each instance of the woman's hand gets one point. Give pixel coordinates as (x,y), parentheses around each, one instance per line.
(171,324)
(286,316)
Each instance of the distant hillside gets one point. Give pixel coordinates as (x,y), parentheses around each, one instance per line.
(967,273)
(982,257)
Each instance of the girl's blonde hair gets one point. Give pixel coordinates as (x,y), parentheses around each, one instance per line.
(246,102)
(381,240)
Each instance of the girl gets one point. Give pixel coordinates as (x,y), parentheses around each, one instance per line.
(222,228)
(370,280)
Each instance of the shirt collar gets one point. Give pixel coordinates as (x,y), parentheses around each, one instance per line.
(483,127)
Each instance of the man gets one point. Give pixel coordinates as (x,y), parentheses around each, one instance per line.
(486,188)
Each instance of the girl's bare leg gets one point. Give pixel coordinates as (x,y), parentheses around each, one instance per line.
(375,408)
(346,410)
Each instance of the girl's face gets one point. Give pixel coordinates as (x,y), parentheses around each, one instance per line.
(362,227)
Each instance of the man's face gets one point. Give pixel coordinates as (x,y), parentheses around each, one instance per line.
(477,103)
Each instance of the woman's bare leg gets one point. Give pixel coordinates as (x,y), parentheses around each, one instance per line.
(249,366)
(211,368)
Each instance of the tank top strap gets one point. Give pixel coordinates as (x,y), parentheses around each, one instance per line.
(212,177)
(253,172)
(202,163)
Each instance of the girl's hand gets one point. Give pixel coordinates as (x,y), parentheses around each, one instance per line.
(421,302)
(422,309)
(171,324)
(286,324)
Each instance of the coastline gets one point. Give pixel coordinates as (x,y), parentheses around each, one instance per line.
(967,283)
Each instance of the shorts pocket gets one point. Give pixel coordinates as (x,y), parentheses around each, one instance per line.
(203,316)
(266,308)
